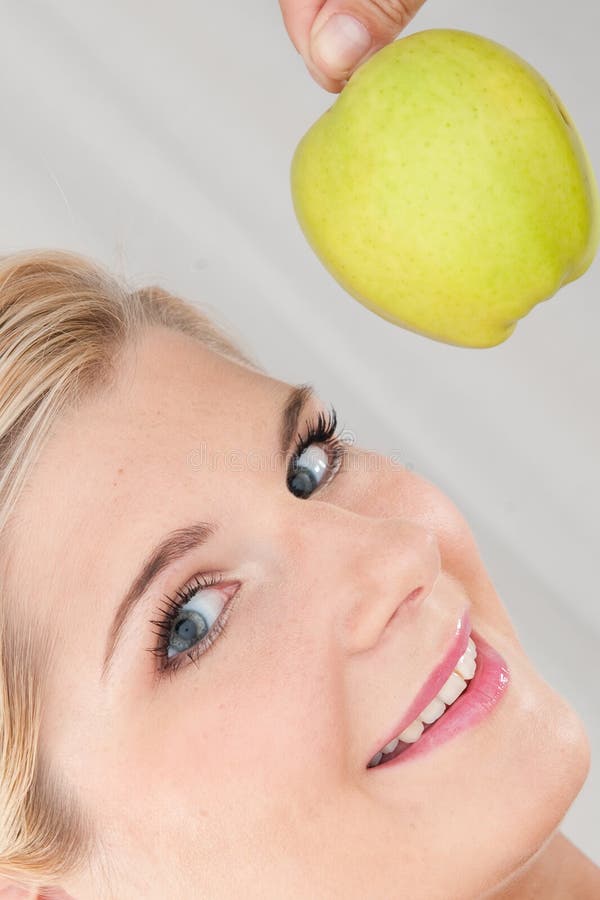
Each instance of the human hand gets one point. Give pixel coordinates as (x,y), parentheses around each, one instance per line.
(330,57)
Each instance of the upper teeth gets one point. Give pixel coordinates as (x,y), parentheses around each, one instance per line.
(464,670)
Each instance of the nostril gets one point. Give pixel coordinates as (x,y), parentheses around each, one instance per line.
(410,598)
(413,596)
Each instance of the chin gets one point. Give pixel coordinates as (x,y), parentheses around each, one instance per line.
(567,760)
(551,759)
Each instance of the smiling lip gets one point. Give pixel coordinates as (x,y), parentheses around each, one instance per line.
(483,692)
(436,680)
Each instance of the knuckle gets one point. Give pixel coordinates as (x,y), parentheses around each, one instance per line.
(396,13)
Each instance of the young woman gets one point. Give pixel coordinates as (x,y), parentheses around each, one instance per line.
(217,619)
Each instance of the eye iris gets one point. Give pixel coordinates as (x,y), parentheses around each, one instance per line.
(186,630)
(304,481)
(302,484)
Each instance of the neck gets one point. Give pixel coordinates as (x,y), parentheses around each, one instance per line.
(558,871)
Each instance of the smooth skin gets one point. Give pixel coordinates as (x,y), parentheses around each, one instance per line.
(245,773)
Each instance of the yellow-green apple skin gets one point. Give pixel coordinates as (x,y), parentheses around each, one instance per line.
(447,189)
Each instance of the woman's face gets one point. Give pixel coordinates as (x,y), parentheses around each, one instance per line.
(244,772)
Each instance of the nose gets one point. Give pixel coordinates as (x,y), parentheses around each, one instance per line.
(392,562)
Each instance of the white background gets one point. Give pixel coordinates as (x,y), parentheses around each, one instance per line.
(157,137)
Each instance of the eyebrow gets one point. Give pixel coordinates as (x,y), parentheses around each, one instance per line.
(177,543)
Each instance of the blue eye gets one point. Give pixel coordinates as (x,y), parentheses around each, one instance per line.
(191,624)
(192,621)
(309,463)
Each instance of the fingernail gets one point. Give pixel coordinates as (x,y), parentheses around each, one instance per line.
(340,43)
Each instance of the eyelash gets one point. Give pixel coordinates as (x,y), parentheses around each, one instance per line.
(323,432)
(170,613)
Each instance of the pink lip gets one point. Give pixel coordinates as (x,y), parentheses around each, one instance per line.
(484,691)
(438,677)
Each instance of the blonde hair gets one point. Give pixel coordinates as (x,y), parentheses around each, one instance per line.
(63,320)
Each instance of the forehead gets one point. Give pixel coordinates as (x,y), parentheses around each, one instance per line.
(113,472)
(166,383)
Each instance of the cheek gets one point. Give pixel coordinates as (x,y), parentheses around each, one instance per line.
(241,740)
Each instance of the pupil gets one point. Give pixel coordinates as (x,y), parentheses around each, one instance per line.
(185,629)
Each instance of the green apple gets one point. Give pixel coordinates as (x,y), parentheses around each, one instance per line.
(447,189)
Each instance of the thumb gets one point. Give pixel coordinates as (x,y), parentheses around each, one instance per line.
(336,36)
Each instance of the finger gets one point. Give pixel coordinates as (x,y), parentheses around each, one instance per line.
(298,17)
(345,33)
(365,26)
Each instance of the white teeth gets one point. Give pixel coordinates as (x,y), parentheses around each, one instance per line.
(389,748)
(413,732)
(463,672)
(433,711)
(466,665)
(452,688)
